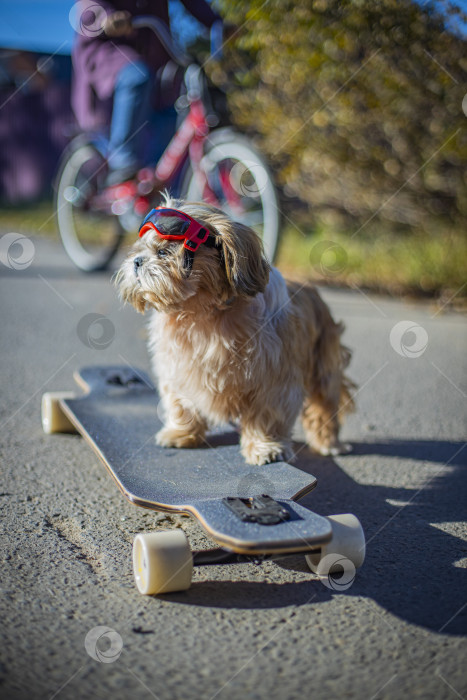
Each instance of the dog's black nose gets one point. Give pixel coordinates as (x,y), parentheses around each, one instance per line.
(137,263)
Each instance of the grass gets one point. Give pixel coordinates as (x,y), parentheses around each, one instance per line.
(417,264)
(37,218)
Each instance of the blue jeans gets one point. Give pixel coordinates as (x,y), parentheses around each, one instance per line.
(131,109)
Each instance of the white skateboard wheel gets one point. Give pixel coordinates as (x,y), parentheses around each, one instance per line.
(347,543)
(53,418)
(162,562)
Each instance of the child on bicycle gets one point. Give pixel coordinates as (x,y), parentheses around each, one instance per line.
(114,63)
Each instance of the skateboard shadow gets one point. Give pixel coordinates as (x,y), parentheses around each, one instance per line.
(250,595)
(413,564)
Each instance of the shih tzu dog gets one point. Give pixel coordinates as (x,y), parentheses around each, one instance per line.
(231,340)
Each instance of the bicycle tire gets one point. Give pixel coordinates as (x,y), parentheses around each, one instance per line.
(84,168)
(252,182)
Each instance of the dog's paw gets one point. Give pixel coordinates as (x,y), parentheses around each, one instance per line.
(260,453)
(170,437)
(339,448)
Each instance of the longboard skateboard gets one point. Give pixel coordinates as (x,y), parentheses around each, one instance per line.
(246,510)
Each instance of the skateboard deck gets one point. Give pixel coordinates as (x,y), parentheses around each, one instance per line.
(118,415)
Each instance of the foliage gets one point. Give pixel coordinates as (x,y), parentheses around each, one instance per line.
(358,104)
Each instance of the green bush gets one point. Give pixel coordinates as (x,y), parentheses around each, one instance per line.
(358,104)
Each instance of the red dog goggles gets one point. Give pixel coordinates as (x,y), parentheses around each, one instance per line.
(174,225)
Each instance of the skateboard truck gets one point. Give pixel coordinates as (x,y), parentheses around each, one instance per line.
(262,510)
(118,380)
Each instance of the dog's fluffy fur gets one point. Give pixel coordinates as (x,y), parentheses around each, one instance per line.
(234,341)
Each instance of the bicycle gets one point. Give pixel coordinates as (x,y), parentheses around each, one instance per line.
(218,166)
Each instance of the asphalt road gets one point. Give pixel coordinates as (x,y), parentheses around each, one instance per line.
(241,631)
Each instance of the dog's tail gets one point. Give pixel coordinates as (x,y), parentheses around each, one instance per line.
(348,387)
(330,379)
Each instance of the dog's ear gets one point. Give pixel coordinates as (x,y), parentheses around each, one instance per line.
(246,267)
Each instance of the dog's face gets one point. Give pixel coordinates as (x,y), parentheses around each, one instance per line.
(155,274)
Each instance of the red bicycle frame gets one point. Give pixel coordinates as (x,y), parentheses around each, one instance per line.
(189,137)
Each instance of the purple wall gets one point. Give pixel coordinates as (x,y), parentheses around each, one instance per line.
(35,123)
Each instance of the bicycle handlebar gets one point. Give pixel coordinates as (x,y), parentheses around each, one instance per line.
(162,32)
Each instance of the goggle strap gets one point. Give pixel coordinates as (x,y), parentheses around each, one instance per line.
(188,262)
(210,242)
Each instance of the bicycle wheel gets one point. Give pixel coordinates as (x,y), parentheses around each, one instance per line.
(90,238)
(235,178)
